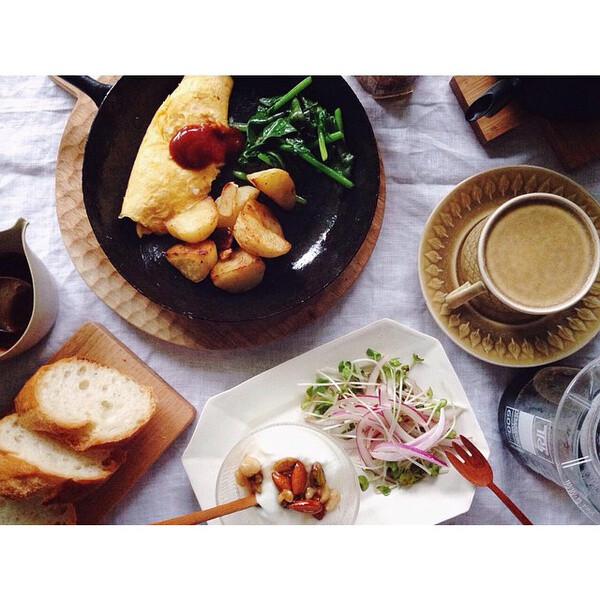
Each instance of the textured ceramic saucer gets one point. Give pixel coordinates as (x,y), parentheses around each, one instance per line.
(495,337)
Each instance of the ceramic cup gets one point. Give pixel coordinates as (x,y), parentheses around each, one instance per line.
(536,254)
(45,294)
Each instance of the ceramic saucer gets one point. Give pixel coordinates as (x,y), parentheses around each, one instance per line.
(487,334)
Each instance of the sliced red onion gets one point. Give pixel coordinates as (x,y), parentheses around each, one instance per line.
(414,413)
(396,431)
(394,451)
(433,436)
(363,440)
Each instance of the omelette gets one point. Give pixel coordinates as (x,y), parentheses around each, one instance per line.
(159,188)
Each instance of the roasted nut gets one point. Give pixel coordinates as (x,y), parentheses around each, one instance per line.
(310,492)
(334,500)
(317,475)
(249,466)
(310,507)
(285,497)
(299,479)
(281,481)
(285,465)
(325,491)
(256,484)
(240,478)
(319,515)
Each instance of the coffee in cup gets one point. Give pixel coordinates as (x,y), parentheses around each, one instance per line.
(537,254)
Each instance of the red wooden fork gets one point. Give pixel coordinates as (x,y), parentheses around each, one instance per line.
(474,467)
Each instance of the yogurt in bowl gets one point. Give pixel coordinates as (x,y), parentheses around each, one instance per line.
(305,444)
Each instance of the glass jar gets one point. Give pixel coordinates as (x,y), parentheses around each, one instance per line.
(383,87)
(550,420)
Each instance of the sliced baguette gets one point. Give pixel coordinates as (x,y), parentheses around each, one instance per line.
(84,403)
(33,511)
(34,463)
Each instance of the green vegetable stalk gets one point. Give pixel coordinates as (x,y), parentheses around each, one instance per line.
(292,125)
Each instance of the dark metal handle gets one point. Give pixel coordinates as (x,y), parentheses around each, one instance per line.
(493,100)
(95,89)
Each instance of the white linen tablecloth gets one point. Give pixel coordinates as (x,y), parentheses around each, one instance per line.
(427,149)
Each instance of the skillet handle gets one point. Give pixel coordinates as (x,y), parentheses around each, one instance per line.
(493,100)
(95,89)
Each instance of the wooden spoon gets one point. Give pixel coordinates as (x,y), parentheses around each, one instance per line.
(201,516)
(13,293)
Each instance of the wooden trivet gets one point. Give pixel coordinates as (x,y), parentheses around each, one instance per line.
(575,144)
(97,271)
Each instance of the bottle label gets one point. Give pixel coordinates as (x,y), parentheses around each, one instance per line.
(528,432)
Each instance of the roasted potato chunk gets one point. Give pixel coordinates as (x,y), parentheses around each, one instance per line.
(226,205)
(194,261)
(228,210)
(239,272)
(245,193)
(265,216)
(196,223)
(276,184)
(258,232)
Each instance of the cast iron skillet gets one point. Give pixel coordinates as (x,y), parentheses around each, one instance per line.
(558,98)
(325,234)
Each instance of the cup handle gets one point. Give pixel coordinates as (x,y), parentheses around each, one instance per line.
(467,291)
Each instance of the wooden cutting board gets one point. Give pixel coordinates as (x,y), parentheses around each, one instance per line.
(575,144)
(173,414)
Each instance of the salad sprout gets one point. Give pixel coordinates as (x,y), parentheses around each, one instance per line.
(393,429)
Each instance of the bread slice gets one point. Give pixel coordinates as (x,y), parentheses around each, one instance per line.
(33,511)
(34,463)
(84,403)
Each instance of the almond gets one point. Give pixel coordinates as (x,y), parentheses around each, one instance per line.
(299,479)
(311,507)
(281,481)
(285,465)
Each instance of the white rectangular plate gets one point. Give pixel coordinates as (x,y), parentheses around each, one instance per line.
(275,397)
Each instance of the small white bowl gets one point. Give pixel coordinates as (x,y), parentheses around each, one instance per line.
(45,293)
(308,444)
